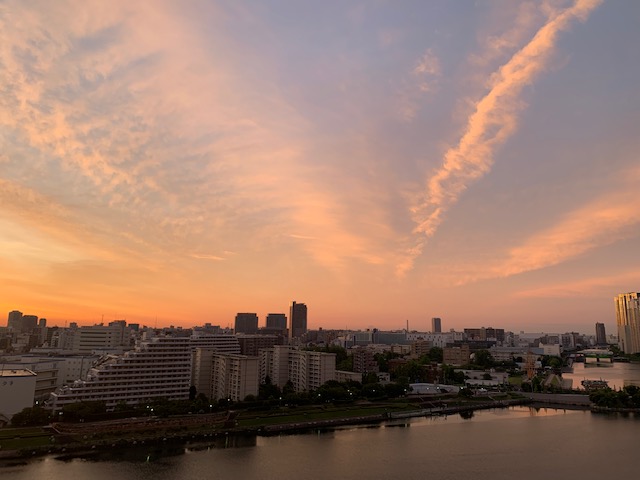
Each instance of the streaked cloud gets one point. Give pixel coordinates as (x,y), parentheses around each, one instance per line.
(493,121)
(601,222)
(609,285)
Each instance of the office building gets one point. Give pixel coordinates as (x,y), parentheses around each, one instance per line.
(456,356)
(246,323)
(628,320)
(29,323)
(14,321)
(276,321)
(252,344)
(601,334)
(436,325)
(297,320)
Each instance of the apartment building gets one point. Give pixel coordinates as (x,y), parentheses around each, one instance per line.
(307,370)
(158,367)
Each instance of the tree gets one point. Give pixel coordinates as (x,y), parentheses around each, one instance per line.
(450,376)
(436,354)
(369,377)
(346,364)
(193,391)
(268,390)
(74,412)
(483,358)
(30,416)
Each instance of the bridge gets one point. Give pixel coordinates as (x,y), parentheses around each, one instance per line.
(597,353)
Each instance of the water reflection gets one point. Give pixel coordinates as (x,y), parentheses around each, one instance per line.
(616,374)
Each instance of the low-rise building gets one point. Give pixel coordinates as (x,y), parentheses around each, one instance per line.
(344,376)
(17,389)
(456,355)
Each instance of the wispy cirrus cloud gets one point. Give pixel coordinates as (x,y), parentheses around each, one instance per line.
(423,80)
(493,121)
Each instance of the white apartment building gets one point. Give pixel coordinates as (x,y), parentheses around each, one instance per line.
(234,376)
(220,343)
(219,375)
(159,367)
(113,337)
(53,371)
(307,370)
(16,392)
(437,339)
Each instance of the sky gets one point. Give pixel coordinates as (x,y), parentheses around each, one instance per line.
(383,162)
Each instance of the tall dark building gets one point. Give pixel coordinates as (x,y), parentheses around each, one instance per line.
(15,321)
(246,323)
(276,321)
(436,325)
(601,334)
(29,322)
(297,320)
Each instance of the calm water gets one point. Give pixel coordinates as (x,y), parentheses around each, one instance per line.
(517,443)
(617,374)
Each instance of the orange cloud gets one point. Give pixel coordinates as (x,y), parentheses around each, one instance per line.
(592,287)
(599,223)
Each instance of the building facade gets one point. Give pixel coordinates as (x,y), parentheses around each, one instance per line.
(17,389)
(159,367)
(298,320)
(601,334)
(246,323)
(276,321)
(436,325)
(628,320)
(306,370)
(234,377)
(456,356)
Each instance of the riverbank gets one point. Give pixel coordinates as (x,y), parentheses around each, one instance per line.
(204,431)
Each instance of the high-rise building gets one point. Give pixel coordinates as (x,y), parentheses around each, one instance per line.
(276,321)
(436,325)
(246,323)
(29,322)
(601,334)
(628,321)
(14,321)
(298,320)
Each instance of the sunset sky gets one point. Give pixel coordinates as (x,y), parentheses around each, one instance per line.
(380,161)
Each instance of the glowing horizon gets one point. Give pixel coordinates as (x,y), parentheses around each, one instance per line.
(380,163)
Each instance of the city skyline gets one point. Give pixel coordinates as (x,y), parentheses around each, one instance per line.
(382,163)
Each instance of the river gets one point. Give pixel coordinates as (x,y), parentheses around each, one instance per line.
(519,442)
(616,374)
